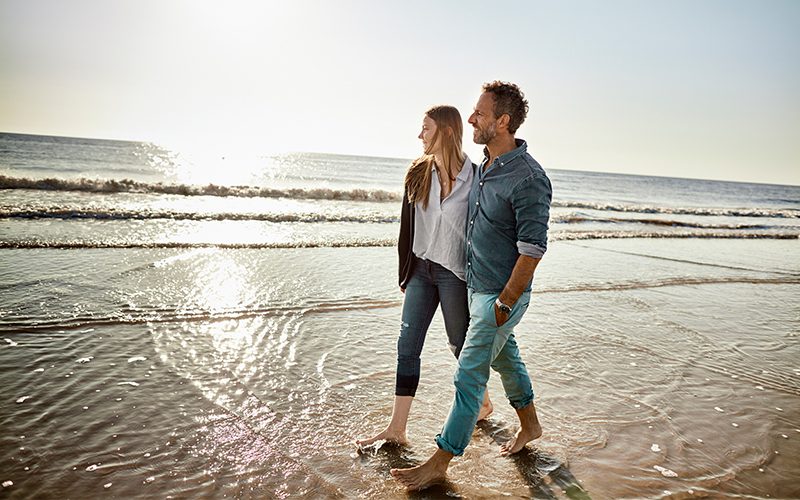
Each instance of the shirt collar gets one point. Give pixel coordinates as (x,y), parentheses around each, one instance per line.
(522,146)
(466,169)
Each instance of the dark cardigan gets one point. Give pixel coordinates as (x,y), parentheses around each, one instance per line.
(405,243)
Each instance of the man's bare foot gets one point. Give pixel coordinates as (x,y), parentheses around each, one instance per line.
(390,435)
(520,440)
(486,409)
(434,471)
(528,431)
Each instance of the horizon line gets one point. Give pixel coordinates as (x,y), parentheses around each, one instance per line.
(135,141)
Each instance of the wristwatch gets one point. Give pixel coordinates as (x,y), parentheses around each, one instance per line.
(503,308)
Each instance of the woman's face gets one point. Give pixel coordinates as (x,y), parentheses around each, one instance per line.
(427,134)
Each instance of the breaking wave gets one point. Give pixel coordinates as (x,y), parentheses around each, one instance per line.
(373,195)
(68,245)
(123,215)
(131,186)
(382,242)
(646,209)
(68,214)
(656,222)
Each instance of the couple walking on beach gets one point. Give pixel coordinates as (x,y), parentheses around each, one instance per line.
(470,240)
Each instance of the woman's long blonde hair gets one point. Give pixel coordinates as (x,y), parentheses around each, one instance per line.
(449,130)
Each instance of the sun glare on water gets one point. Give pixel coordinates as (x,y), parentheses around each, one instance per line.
(223,164)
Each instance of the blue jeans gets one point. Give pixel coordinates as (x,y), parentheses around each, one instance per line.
(430,285)
(487,345)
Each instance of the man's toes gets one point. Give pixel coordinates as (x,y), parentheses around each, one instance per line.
(401,475)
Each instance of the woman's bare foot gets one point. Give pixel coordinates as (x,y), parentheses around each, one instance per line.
(432,472)
(529,430)
(390,435)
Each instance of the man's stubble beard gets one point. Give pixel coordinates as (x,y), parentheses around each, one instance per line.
(484,136)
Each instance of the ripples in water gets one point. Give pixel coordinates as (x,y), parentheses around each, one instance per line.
(249,373)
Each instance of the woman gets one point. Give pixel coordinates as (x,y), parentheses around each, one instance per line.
(432,257)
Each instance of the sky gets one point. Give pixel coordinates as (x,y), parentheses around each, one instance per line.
(681,88)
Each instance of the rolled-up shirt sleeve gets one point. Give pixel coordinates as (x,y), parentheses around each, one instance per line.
(531,203)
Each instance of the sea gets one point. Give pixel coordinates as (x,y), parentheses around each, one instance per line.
(177,324)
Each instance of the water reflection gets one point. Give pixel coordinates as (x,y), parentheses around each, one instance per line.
(537,468)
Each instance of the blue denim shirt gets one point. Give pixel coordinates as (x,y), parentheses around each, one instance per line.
(509,207)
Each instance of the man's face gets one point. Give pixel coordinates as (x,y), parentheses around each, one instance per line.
(483,122)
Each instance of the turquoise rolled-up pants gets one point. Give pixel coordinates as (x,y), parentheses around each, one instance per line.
(486,346)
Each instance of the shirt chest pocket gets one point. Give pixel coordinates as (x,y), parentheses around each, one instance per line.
(498,211)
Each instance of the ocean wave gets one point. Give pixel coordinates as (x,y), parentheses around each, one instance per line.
(577,219)
(122,215)
(649,209)
(384,242)
(666,282)
(70,214)
(129,316)
(75,245)
(131,186)
(719,234)
(105,186)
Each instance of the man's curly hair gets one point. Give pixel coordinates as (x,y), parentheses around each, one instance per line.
(508,99)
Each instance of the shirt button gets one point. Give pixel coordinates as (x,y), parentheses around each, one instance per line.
(469,263)
(501,163)
(469,243)
(477,203)
(470,222)
(481,183)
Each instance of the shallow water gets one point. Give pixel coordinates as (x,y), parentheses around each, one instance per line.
(249,373)
(210,327)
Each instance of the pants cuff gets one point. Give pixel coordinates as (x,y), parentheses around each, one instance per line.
(444,445)
(521,403)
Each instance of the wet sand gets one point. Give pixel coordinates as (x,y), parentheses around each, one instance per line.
(662,369)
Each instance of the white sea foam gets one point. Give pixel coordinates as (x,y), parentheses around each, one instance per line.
(11,343)
(136,358)
(665,472)
(132,186)
(131,383)
(23,399)
(655,448)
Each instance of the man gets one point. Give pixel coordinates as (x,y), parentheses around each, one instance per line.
(506,238)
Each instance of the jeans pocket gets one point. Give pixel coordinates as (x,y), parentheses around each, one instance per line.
(493,315)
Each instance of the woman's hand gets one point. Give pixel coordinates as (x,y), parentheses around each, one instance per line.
(403,290)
